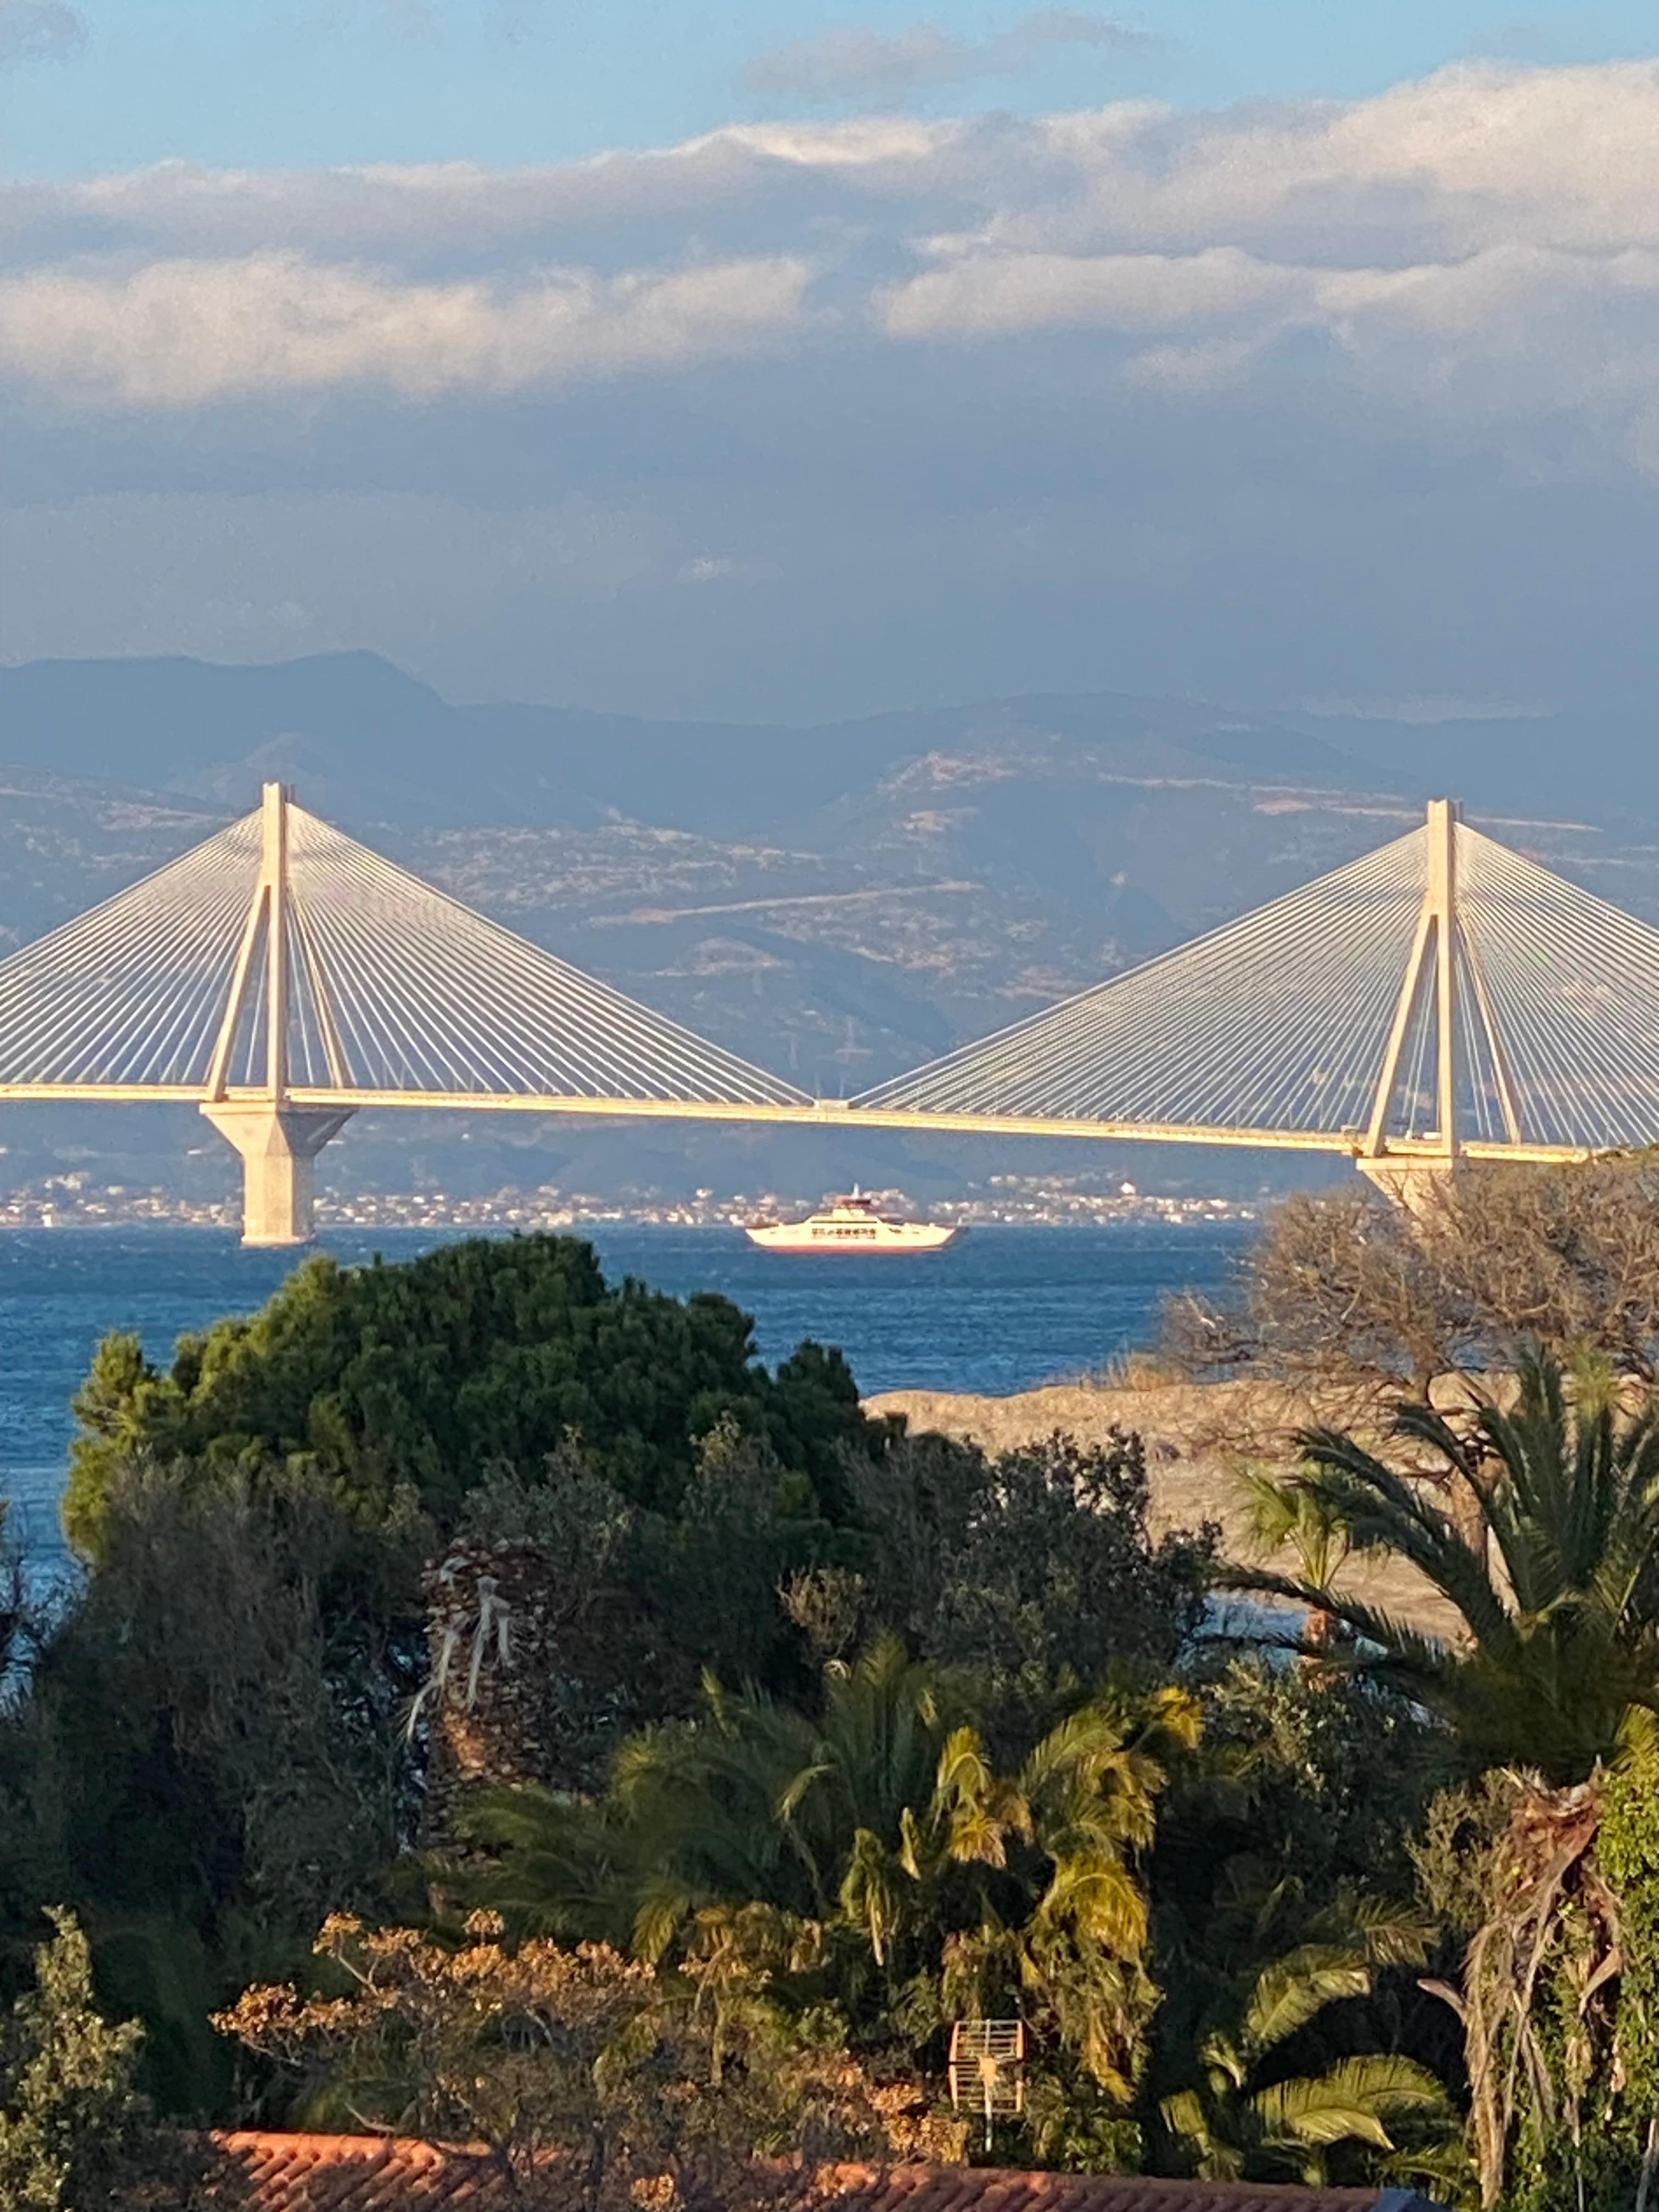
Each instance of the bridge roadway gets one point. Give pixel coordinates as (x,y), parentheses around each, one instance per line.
(817,1113)
(1438,1000)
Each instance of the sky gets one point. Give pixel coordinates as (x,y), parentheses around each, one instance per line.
(792,361)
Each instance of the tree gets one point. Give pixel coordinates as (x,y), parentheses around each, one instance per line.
(68,2108)
(1031,1570)
(1558,1680)
(424,1374)
(1562,1646)
(31,1868)
(207,1750)
(582,2074)
(1536,1998)
(1251,2114)
(1285,1515)
(1310,1788)
(23,1617)
(1356,1299)
(1340,1292)
(611,1611)
(873,1850)
(1032,1573)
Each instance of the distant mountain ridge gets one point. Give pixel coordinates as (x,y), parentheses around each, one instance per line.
(384,746)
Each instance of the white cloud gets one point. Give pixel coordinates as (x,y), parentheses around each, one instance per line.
(1476,255)
(178,333)
(978,292)
(854,62)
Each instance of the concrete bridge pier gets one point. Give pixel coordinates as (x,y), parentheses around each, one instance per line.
(279,1145)
(1419,1184)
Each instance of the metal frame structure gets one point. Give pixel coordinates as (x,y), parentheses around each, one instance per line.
(1440,1000)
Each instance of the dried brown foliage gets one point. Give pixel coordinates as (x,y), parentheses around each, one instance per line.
(1540,1977)
(1348,1295)
(579,2075)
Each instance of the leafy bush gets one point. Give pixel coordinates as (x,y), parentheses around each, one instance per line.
(424,1374)
(584,2077)
(1033,1569)
(68,2111)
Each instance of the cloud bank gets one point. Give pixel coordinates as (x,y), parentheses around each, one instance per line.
(1369,382)
(175,333)
(1482,249)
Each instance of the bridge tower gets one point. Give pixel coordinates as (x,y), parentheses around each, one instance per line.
(1438,964)
(279,1140)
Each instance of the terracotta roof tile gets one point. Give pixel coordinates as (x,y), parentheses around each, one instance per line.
(371,2174)
(358,2173)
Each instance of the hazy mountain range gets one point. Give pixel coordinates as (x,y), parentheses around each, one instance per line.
(838,903)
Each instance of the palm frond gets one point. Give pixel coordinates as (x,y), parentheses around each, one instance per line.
(1354,2102)
(1291,1989)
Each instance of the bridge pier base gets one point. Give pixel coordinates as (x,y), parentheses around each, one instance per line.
(279,1145)
(1417,1184)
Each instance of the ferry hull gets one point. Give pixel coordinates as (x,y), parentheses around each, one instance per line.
(898,1236)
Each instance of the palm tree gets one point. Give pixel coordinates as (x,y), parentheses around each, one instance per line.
(1054,1920)
(1246,2117)
(1560,1658)
(1281,1514)
(1555,1678)
(874,1843)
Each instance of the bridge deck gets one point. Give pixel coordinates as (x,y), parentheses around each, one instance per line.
(818,1112)
(1441,998)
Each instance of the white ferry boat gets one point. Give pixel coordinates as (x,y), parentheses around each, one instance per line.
(849,1224)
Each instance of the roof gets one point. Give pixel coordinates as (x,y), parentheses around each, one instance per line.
(373,2173)
(355,2174)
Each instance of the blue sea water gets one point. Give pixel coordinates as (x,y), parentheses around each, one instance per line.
(998,1310)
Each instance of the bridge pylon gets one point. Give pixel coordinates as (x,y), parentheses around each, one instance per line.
(1440,1002)
(279,1140)
(1429,1000)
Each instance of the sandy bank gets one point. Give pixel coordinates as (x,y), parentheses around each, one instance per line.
(1191,1433)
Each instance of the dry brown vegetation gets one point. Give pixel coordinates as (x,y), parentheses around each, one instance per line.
(1345,1293)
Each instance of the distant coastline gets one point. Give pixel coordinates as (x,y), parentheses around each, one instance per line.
(81,1201)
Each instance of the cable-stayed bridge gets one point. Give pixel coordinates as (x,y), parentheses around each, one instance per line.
(1440,999)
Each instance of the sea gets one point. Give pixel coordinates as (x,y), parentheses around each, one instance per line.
(998,1310)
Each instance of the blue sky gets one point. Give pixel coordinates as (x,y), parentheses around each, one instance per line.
(791,361)
(295,82)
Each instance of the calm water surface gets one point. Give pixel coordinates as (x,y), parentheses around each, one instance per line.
(998,1310)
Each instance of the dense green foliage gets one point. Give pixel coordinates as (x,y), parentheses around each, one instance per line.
(869,1849)
(1032,1570)
(68,2110)
(424,1376)
(1554,1685)
(213,1751)
(1562,1657)
(841,1736)
(208,1755)
(1248,2108)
